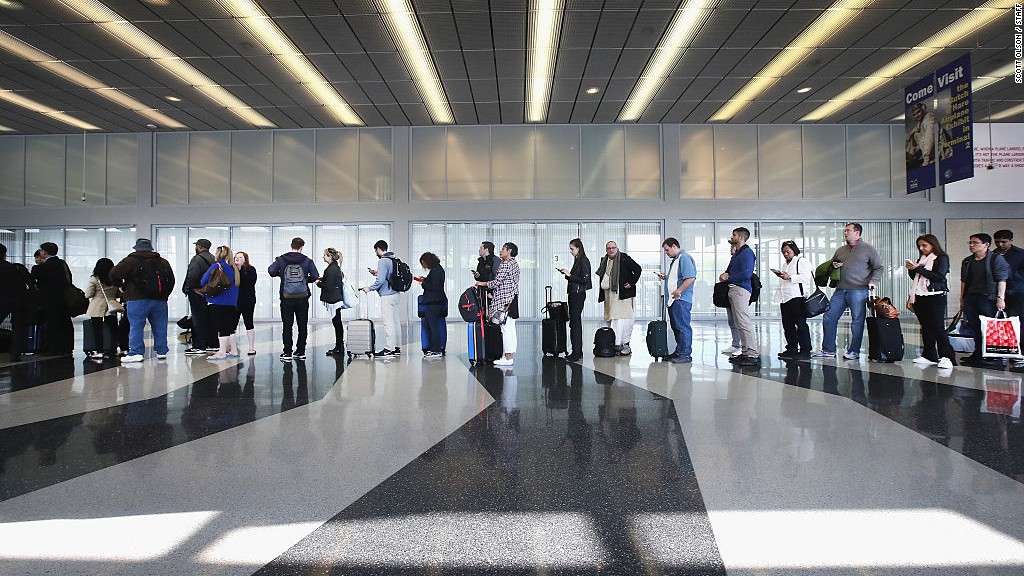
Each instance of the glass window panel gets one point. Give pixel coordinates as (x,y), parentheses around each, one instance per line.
(14,239)
(12,166)
(735,161)
(74,178)
(120,242)
(345,239)
(44,170)
(698,239)
(97,186)
(824,162)
(898,164)
(643,244)
(337,152)
(643,162)
(173,244)
(256,241)
(697,161)
(365,257)
(82,248)
(602,162)
(779,162)
(36,236)
(427,180)
(469,168)
(375,165)
(252,153)
(512,162)
(209,164)
(294,166)
(868,162)
(122,168)
(558,161)
(172,168)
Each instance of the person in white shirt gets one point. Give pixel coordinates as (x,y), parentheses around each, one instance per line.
(796,283)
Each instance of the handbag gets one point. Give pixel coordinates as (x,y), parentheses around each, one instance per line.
(349,296)
(114,307)
(185,322)
(816,304)
(883,307)
(960,334)
(720,294)
(1000,336)
(500,316)
(216,284)
(75,301)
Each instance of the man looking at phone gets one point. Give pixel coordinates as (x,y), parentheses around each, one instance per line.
(741,268)
(682,272)
(860,269)
(389,298)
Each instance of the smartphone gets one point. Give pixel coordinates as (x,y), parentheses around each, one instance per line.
(776,272)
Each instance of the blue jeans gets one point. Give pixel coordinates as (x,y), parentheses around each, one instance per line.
(679,318)
(856,301)
(138,312)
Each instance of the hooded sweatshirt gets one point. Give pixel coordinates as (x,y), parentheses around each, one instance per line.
(126,270)
(282,261)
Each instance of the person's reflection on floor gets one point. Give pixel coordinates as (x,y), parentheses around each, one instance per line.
(248,398)
(829,379)
(507,432)
(857,387)
(433,404)
(298,396)
(618,416)
(556,387)
(52,434)
(578,431)
(798,374)
(146,429)
(885,394)
(931,412)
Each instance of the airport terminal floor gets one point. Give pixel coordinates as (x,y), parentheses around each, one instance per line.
(432,466)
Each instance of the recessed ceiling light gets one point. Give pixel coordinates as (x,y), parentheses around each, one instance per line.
(804,90)
(593,90)
(173,98)
(151,126)
(158,2)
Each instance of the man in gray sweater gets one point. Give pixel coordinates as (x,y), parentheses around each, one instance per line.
(860,270)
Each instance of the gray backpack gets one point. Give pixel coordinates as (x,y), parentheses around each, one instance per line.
(293,282)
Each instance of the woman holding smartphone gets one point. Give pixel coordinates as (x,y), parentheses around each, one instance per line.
(797,283)
(928,301)
(578,283)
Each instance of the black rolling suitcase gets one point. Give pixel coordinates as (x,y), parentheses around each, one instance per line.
(657,336)
(483,338)
(553,326)
(885,337)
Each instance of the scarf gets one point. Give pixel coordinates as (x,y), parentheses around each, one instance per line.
(922,284)
(612,273)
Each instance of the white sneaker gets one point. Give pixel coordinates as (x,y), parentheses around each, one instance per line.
(945,363)
(732,351)
(821,354)
(161,356)
(132,358)
(926,362)
(503,361)
(851,356)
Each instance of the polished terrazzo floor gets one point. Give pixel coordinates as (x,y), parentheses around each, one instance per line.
(412,466)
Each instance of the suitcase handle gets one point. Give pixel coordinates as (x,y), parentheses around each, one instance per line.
(547,300)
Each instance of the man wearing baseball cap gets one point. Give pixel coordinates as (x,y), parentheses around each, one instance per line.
(203,338)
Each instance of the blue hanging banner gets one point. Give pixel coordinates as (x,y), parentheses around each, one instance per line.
(921,134)
(956,146)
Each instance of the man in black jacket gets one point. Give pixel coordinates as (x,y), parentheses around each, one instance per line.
(618,274)
(14,279)
(52,278)
(203,339)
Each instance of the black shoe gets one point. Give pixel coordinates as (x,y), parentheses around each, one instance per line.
(735,359)
(805,356)
(336,351)
(397,351)
(286,356)
(788,355)
(748,361)
(299,355)
(575,356)
(670,357)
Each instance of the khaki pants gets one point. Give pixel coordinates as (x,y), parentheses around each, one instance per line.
(739,315)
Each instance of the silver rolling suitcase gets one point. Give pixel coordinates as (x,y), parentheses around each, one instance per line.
(359,338)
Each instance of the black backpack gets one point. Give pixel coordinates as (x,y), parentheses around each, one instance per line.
(755,288)
(604,342)
(150,279)
(470,305)
(400,279)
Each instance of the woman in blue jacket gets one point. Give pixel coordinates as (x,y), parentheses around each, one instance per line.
(224,305)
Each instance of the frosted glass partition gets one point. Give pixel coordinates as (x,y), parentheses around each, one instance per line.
(824,161)
(778,175)
(558,156)
(707,243)
(263,243)
(337,168)
(209,165)
(44,170)
(735,161)
(697,161)
(643,162)
(294,166)
(543,247)
(867,165)
(602,162)
(512,162)
(251,155)
(375,165)
(468,162)
(12,166)
(427,178)
(172,168)
(79,247)
(121,161)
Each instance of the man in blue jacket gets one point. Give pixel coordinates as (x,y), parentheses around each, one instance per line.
(297,272)
(741,268)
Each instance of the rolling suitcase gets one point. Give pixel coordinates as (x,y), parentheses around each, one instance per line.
(657,336)
(35,339)
(553,327)
(483,338)
(89,337)
(885,337)
(360,338)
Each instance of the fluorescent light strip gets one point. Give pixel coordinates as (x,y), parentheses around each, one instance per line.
(6,129)
(545,29)
(684,26)
(72,74)
(412,46)
(13,98)
(967,24)
(267,33)
(130,36)
(833,19)
(1008,113)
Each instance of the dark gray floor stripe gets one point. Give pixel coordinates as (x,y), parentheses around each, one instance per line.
(556,477)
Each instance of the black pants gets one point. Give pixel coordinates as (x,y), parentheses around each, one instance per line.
(794,325)
(60,332)
(16,310)
(225,319)
(339,330)
(204,335)
(294,310)
(96,325)
(931,314)
(976,305)
(247,309)
(1014,305)
(576,302)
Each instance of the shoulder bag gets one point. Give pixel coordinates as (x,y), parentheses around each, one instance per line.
(217,284)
